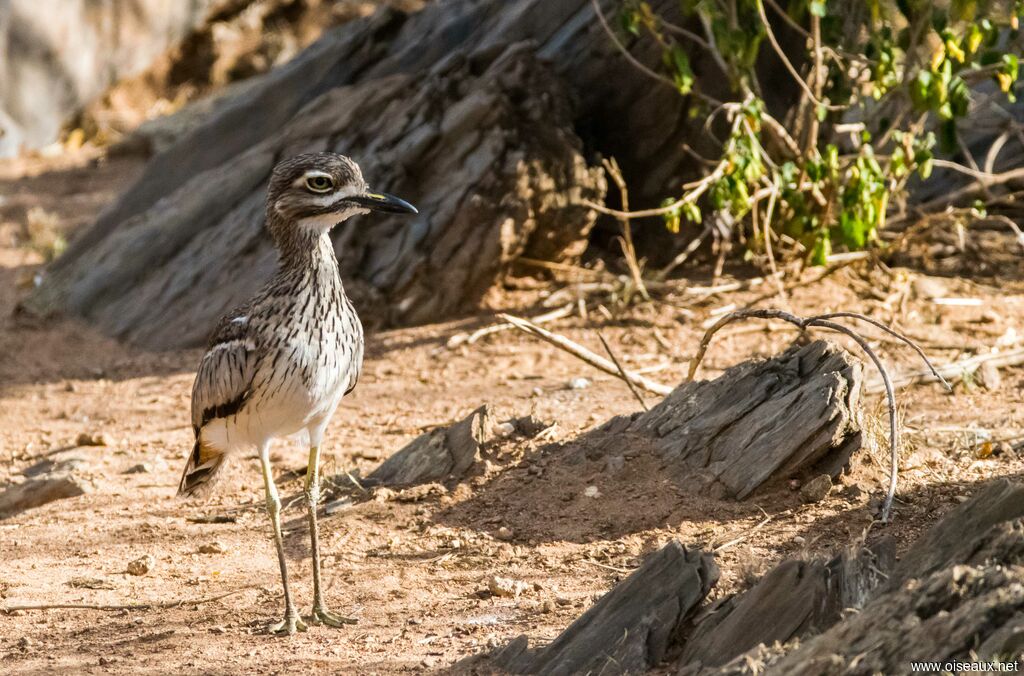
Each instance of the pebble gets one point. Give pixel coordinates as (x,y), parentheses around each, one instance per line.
(98,439)
(578,383)
(591,492)
(212,548)
(614,463)
(141,468)
(505,429)
(141,565)
(218,630)
(505,587)
(817,489)
(548,606)
(799,540)
(504,533)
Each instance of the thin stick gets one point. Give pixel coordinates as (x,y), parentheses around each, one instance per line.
(470,338)
(625,571)
(584,354)
(126,606)
(735,541)
(622,371)
(953,369)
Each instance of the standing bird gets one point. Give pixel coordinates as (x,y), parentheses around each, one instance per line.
(282,361)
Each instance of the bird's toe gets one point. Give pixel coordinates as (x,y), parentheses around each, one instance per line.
(324,616)
(289,625)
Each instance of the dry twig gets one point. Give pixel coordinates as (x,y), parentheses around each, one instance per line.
(126,606)
(622,371)
(586,355)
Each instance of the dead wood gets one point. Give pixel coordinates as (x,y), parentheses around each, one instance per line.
(443,453)
(802,598)
(795,413)
(631,628)
(958,594)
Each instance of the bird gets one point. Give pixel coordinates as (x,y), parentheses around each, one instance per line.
(281,362)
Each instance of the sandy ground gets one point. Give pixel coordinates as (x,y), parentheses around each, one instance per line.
(413,566)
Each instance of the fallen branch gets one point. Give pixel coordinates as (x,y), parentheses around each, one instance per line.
(953,369)
(586,355)
(824,321)
(470,338)
(125,606)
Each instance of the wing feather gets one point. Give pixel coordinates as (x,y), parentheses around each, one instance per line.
(225,373)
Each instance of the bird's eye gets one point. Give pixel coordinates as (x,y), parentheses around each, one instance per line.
(319,183)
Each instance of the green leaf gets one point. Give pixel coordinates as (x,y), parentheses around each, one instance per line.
(818,8)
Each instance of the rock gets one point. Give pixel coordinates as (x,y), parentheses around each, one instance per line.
(504,429)
(591,492)
(578,383)
(94,439)
(141,468)
(41,489)
(212,548)
(504,533)
(990,377)
(142,565)
(443,453)
(504,587)
(817,489)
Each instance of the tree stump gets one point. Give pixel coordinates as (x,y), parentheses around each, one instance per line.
(795,413)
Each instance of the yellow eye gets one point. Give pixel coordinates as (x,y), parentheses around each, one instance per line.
(319,183)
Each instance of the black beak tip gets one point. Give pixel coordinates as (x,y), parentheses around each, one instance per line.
(386,203)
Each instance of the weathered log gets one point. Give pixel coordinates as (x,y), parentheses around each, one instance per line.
(801,598)
(438,108)
(793,414)
(960,536)
(442,453)
(957,595)
(42,487)
(630,629)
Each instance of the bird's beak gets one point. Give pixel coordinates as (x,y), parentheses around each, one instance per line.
(381,201)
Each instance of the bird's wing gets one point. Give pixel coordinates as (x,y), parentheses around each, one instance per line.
(225,374)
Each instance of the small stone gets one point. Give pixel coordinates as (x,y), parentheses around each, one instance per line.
(961,498)
(578,383)
(614,464)
(817,489)
(106,661)
(141,565)
(504,533)
(218,630)
(505,587)
(428,662)
(505,429)
(548,606)
(383,494)
(563,601)
(990,377)
(212,548)
(591,492)
(794,484)
(98,439)
(799,540)
(141,468)
(70,387)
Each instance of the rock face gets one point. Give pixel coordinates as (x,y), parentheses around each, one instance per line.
(481,112)
(795,413)
(56,55)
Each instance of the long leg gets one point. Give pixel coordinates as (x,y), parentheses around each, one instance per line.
(291,621)
(320,612)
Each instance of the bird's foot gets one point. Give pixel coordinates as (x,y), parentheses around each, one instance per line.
(323,616)
(289,625)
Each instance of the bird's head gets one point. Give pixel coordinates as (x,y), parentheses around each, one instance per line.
(316,191)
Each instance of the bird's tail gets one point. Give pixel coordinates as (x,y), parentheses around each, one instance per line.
(201,469)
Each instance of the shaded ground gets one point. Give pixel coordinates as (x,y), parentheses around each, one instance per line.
(411,567)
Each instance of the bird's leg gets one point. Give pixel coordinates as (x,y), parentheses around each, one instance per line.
(320,612)
(291,622)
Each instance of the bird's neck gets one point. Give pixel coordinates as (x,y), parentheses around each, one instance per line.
(308,253)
